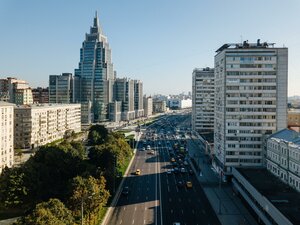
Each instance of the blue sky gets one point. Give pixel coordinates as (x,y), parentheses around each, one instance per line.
(157,41)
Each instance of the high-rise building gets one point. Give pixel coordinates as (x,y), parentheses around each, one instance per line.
(40,95)
(203,100)
(94,76)
(61,88)
(37,125)
(250,101)
(148,106)
(6,135)
(115,111)
(15,91)
(138,98)
(124,92)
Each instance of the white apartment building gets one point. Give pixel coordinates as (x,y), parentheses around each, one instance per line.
(283,157)
(148,106)
(37,125)
(6,135)
(250,101)
(203,100)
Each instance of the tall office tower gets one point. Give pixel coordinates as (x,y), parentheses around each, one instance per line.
(250,101)
(148,106)
(124,92)
(40,95)
(203,100)
(138,98)
(94,76)
(6,135)
(61,88)
(15,91)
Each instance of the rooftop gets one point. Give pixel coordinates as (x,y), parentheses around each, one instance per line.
(287,135)
(2,103)
(282,196)
(245,45)
(37,106)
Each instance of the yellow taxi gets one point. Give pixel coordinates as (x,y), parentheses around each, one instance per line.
(189,184)
(138,172)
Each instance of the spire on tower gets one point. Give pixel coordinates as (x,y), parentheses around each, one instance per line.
(96,21)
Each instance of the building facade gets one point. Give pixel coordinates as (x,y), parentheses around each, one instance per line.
(203,100)
(138,98)
(148,106)
(283,157)
(61,88)
(115,111)
(37,125)
(294,118)
(40,95)
(15,91)
(250,101)
(6,135)
(159,106)
(94,76)
(124,92)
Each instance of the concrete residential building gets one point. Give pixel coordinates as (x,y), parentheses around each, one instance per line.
(15,91)
(124,92)
(37,125)
(250,101)
(148,106)
(294,118)
(159,106)
(40,95)
(61,88)
(283,157)
(94,76)
(6,135)
(176,103)
(203,100)
(138,98)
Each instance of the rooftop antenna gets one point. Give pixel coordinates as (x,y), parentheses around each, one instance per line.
(241,39)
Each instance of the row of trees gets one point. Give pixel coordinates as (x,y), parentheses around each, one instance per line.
(54,184)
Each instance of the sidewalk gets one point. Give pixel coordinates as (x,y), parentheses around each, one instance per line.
(227,206)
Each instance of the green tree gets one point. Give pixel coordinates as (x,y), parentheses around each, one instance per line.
(97,135)
(90,193)
(52,212)
(12,188)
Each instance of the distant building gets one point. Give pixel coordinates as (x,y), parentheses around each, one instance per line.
(283,157)
(94,76)
(250,101)
(61,88)
(6,135)
(138,98)
(115,111)
(148,106)
(124,92)
(37,125)
(203,91)
(175,103)
(15,91)
(294,119)
(40,95)
(159,106)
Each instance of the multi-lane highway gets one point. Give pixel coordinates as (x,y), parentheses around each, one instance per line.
(160,195)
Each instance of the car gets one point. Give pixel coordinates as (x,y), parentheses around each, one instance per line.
(169,171)
(125,190)
(176,170)
(172,160)
(185,163)
(191,172)
(182,170)
(151,152)
(180,183)
(189,184)
(138,172)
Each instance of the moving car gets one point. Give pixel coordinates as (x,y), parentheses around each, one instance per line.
(189,184)
(180,183)
(138,172)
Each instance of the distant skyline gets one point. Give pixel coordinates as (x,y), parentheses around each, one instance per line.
(159,42)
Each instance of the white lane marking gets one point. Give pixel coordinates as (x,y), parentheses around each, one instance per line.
(168,189)
(179,199)
(147,189)
(146,197)
(124,208)
(182,211)
(171,210)
(134,208)
(132,221)
(193,211)
(170,200)
(121,221)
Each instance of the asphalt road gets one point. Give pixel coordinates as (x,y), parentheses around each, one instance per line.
(154,196)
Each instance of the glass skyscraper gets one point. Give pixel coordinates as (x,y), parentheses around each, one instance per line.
(94,76)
